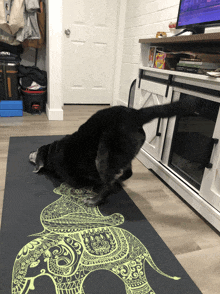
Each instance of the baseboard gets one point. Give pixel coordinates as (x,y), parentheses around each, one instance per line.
(54,114)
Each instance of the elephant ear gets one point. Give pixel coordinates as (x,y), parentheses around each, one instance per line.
(64,257)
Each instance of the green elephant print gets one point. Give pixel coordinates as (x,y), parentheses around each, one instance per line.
(78,240)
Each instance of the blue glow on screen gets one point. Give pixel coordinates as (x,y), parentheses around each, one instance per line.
(198,11)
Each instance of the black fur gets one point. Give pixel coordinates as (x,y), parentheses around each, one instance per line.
(100,153)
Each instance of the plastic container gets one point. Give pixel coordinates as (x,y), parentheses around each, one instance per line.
(34,101)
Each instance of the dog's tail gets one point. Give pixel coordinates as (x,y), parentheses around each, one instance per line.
(184,107)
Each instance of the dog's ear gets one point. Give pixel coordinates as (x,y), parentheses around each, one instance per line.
(39,166)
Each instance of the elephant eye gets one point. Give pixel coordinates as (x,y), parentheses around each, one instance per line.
(34,264)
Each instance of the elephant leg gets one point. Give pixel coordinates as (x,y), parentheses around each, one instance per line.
(132,273)
(144,289)
(69,286)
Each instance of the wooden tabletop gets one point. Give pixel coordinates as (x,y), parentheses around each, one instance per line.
(196,38)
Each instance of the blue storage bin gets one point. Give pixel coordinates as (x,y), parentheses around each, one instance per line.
(11,104)
(11,108)
(10,112)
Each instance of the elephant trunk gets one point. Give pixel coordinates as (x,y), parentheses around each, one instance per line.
(21,287)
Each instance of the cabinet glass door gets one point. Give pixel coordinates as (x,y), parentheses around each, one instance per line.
(192,142)
(152,94)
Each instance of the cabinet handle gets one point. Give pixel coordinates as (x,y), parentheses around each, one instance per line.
(214,142)
(140,77)
(158,134)
(169,82)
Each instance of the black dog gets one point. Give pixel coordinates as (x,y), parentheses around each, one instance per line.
(100,153)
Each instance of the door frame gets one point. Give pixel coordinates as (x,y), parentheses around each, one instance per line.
(119,51)
(55,34)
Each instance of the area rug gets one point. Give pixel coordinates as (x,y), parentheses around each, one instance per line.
(52,243)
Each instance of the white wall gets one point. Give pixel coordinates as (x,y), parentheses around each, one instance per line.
(54,33)
(144,18)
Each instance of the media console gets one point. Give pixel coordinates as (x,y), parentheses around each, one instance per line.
(184,152)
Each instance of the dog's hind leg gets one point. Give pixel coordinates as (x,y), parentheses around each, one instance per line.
(113,162)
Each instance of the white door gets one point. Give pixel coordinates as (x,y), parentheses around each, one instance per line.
(89,46)
(150,94)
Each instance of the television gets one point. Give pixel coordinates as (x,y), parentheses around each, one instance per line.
(196,15)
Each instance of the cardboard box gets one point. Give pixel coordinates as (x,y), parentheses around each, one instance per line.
(165,61)
(151,56)
(160,60)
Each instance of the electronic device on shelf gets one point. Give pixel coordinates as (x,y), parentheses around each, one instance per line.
(195,16)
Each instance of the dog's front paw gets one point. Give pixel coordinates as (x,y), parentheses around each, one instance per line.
(33,156)
(37,161)
(92,202)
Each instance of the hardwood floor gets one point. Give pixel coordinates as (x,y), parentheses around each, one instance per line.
(195,244)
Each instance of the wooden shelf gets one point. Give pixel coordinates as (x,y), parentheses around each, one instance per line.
(199,38)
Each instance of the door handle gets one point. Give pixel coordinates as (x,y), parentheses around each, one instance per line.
(67,32)
(213,142)
(158,134)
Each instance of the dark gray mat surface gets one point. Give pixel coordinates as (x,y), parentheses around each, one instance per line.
(108,261)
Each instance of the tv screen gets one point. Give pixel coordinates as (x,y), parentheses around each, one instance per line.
(195,12)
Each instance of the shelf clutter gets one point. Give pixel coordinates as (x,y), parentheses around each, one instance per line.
(185,61)
(199,54)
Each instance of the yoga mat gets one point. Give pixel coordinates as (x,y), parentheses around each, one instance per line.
(51,243)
